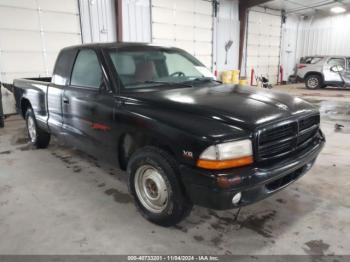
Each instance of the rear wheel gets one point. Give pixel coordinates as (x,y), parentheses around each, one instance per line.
(37,136)
(313,81)
(155,186)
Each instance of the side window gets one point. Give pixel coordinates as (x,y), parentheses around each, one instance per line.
(336,61)
(87,70)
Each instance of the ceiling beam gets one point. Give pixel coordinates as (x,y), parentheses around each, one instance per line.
(250,3)
(314,6)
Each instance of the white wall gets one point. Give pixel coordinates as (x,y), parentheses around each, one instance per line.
(137,28)
(136,20)
(325,36)
(226,28)
(98,22)
(187,24)
(317,35)
(289,45)
(32,32)
(263,43)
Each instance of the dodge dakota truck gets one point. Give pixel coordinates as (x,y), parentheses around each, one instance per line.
(184,138)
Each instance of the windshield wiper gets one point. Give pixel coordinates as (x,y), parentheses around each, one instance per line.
(203,79)
(168,83)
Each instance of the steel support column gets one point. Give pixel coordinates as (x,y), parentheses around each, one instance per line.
(244,5)
(119,20)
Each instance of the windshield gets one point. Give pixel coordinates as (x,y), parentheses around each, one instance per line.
(150,66)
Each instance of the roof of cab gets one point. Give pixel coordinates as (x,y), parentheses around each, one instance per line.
(116,45)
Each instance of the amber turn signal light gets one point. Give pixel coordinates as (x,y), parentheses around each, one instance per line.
(224,164)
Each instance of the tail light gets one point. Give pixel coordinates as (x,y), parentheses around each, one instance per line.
(300,66)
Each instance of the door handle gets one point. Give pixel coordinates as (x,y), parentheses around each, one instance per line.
(65,100)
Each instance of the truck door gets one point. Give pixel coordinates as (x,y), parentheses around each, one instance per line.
(55,90)
(88,105)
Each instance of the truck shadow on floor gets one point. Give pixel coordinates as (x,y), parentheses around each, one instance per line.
(264,221)
(326,91)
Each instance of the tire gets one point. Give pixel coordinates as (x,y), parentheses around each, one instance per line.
(313,81)
(37,136)
(154,184)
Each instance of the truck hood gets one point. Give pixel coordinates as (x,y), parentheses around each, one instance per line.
(245,107)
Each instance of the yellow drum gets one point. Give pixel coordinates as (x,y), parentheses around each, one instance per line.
(235,76)
(226,77)
(243,81)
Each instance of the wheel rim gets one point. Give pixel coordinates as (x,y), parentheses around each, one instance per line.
(312,82)
(31,129)
(151,188)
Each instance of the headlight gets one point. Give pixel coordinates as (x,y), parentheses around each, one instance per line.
(227,155)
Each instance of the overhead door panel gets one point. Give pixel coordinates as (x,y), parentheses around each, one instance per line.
(32,32)
(263,43)
(19,3)
(187,24)
(66,6)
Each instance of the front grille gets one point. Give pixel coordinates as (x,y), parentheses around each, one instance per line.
(307,122)
(284,138)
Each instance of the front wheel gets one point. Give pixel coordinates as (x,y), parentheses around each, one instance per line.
(155,186)
(38,137)
(313,82)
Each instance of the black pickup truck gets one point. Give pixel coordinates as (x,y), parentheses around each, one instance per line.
(183,137)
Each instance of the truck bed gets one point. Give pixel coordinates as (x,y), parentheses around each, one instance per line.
(33,90)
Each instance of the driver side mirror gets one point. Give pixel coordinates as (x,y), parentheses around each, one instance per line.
(337,68)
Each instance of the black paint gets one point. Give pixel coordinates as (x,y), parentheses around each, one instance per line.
(175,118)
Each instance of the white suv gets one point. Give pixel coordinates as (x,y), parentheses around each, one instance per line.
(321,71)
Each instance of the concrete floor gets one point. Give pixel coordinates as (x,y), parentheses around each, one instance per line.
(60,201)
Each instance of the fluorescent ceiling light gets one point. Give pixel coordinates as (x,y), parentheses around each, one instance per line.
(338,9)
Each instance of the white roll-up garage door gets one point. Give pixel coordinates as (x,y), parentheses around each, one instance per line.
(31,34)
(187,24)
(263,43)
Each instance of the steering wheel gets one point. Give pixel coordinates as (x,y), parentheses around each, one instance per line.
(178,74)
